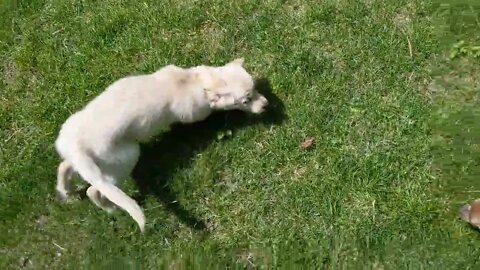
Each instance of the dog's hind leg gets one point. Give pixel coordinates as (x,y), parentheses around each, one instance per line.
(98,199)
(64,180)
(121,161)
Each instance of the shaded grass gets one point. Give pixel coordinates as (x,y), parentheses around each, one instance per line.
(365,196)
(454,91)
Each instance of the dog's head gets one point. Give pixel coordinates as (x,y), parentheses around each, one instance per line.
(231,87)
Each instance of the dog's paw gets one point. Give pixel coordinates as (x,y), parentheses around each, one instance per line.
(61,196)
(64,197)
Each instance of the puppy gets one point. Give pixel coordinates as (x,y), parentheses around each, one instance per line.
(101,141)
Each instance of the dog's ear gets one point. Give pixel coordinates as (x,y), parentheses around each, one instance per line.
(212,96)
(238,61)
(219,101)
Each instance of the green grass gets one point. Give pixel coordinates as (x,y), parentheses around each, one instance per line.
(380,188)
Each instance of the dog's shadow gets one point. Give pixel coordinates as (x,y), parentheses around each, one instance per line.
(175,149)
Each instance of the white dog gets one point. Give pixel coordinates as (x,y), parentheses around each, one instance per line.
(101,142)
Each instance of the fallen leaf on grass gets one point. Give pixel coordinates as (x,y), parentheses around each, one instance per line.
(309,142)
(471,213)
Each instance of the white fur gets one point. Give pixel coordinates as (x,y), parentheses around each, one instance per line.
(101,142)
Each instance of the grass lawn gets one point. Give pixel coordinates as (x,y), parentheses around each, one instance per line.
(393,116)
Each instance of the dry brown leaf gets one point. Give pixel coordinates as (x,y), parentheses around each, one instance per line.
(309,142)
(475,213)
(471,213)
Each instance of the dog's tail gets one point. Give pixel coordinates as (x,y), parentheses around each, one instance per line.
(90,172)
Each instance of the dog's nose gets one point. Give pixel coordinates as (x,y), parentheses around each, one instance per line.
(264,101)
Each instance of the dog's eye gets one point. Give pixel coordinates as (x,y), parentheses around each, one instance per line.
(246,100)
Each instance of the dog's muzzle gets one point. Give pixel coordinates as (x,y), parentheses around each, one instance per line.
(258,105)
